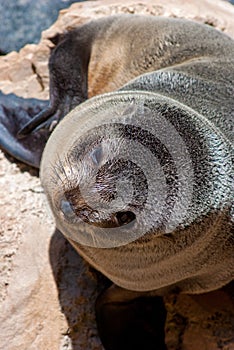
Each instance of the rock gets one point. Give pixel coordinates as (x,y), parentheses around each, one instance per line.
(47,291)
(21,22)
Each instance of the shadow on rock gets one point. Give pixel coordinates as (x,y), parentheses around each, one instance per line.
(78,287)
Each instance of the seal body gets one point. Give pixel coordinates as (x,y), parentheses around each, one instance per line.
(179,213)
(103,55)
(178,234)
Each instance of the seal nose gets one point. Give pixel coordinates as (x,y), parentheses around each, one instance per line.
(67,209)
(77,212)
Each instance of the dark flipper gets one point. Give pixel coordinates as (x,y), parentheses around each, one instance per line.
(130,322)
(68,66)
(15,112)
(39,120)
(49,117)
(20,117)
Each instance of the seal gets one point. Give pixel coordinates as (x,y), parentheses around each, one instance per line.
(140,180)
(88,61)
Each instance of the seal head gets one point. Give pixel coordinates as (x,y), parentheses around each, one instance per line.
(129,179)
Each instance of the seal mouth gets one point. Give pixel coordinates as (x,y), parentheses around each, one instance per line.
(74,209)
(118,219)
(125,217)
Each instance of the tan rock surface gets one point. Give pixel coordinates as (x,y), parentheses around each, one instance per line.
(47,292)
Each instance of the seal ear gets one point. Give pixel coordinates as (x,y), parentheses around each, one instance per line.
(14,113)
(56,39)
(130,322)
(59,37)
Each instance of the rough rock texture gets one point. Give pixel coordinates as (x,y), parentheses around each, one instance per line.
(47,292)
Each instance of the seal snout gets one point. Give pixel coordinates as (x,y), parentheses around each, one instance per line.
(74,208)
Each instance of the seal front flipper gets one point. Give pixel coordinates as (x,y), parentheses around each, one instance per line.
(49,117)
(14,113)
(130,321)
(68,68)
(40,121)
